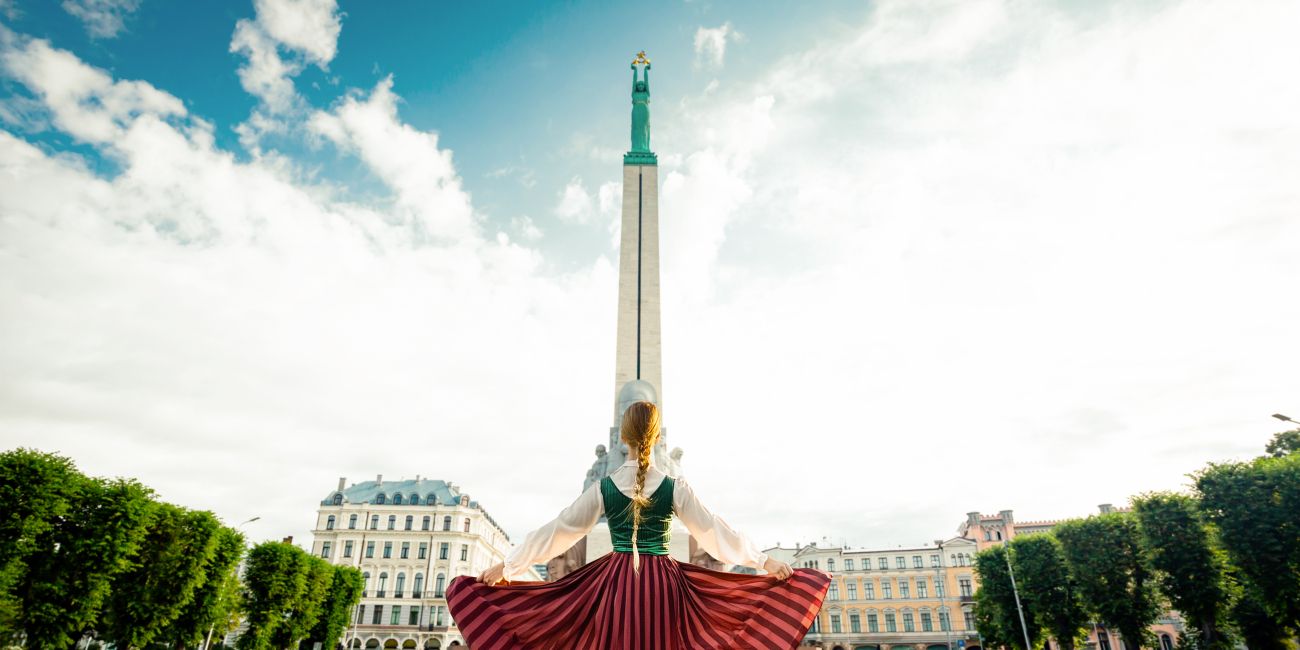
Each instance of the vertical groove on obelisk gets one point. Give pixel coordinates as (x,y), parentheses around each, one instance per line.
(640,187)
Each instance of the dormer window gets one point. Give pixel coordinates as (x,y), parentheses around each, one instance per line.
(379,499)
(397,499)
(415,499)
(432,499)
(338,499)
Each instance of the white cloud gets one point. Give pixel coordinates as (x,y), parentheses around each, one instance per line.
(308,26)
(575,203)
(524,228)
(711,44)
(102,18)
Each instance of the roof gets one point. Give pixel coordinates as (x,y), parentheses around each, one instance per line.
(413,492)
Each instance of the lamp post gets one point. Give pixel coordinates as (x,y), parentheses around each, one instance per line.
(1284,418)
(944,621)
(207,643)
(1016,592)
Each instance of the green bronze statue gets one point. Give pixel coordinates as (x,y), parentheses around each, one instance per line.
(640,153)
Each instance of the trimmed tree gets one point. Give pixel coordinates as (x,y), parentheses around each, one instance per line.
(1048,589)
(1106,558)
(216,598)
(346,585)
(168,566)
(35,489)
(1258,628)
(996,606)
(1192,569)
(274,580)
(1256,507)
(305,610)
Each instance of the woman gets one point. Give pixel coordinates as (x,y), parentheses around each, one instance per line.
(637,597)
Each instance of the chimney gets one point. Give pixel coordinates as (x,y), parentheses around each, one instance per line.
(379,480)
(417,478)
(1106,508)
(343,481)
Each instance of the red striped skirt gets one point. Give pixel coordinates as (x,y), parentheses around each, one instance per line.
(667,606)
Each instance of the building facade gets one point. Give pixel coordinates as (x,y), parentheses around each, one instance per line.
(918,598)
(409,539)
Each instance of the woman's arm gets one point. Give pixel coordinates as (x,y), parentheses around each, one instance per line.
(556,537)
(712,533)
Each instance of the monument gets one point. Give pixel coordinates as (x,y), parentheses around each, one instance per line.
(638,363)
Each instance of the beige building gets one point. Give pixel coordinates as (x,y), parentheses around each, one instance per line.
(915,598)
(409,538)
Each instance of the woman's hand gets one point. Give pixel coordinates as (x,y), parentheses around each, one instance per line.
(777,568)
(493,574)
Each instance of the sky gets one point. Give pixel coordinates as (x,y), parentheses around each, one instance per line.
(920,258)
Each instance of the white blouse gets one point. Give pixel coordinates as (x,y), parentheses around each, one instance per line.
(709,530)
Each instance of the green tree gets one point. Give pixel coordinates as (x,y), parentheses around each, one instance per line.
(69,574)
(1106,558)
(1048,589)
(305,610)
(216,598)
(998,604)
(1256,508)
(990,621)
(1193,571)
(274,580)
(345,589)
(1259,629)
(36,490)
(166,569)
(1283,443)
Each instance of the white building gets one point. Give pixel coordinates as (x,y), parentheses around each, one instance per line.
(409,538)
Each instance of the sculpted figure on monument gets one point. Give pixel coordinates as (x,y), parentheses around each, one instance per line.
(641,106)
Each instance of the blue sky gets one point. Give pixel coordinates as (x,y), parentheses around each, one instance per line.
(920,257)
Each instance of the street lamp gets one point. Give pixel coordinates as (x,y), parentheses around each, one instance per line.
(944,622)
(1016,592)
(1284,418)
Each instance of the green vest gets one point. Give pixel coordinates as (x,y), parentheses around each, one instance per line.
(656,519)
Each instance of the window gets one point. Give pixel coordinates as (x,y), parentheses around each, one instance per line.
(424,550)
(934,560)
(396,617)
(378,616)
(325,550)
(374,522)
(848,564)
(415,499)
(329,523)
(853,591)
(437,619)
(464,552)
(400,586)
(424,524)
(927,625)
(830,564)
(944,624)
(361,614)
(999,535)
(938,588)
(873,623)
(370,549)
(921,584)
(969,619)
(963,584)
(446,523)
(908,624)
(415,616)
(432,499)
(437,585)
(904,588)
(816,626)
(887,589)
(443,549)
(388,549)
(835,591)
(916,562)
(392,522)
(418,586)
(869,589)
(855,622)
(347,548)
(379,500)
(1103,640)
(397,499)
(467,524)
(891,625)
(410,521)
(884,563)
(1166,643)
(383,580)
(900,562)
(338,499)
(406,550)
(352,522)
(988,537)
(835,624)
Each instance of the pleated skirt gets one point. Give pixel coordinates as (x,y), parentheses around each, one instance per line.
(667,606)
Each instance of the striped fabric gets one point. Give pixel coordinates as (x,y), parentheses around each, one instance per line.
(667,606)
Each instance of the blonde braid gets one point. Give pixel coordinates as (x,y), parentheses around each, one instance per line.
(640,429)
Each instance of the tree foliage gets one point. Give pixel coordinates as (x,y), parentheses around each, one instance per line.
(1283,443)
(1106,558)
(36,490)
(1048,589)
(346,585)
(1256,507)
(997,604)
(1192,568)
(216,598)
(305,609)
(284,589)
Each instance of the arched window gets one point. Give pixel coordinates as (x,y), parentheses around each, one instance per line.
(999,535)
(1103,640)
(1166,643)
(432,499)
(415,499)
(329,523)
(437,585)
(952,558)
(379,499)
(410,521)
(392,522)
(397,499)
(374,522)
(400,584)
(418,585)
(424,525)
(352,522)
(383,581)
(338,499)
(467,524)
(446,523)
(988,536)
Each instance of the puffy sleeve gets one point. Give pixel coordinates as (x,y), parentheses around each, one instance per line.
(714,535)
(556,537)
